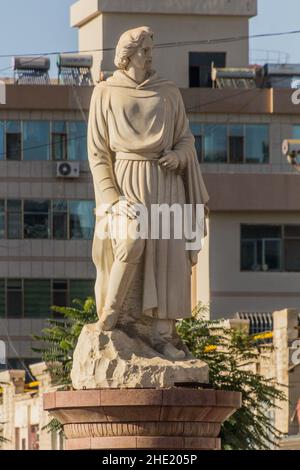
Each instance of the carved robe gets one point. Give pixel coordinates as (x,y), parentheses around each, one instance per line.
(130,127)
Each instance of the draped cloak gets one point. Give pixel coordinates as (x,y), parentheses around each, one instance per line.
(144,119)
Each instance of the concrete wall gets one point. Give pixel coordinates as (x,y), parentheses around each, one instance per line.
(101,24)
(232,290)
(192,28)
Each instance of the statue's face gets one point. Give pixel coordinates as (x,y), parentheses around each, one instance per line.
(142,58)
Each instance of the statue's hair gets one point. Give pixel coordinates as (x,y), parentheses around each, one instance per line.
(129,43)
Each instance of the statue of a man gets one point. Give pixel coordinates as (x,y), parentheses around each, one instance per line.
(141,151)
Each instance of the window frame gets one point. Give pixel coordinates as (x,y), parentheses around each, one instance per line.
(201,133)
(282,254)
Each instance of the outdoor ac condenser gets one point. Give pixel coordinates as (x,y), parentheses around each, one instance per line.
(67,170)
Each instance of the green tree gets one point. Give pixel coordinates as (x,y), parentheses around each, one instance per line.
(228,352)
(231,354)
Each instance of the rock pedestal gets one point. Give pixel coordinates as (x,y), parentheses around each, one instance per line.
(174,418)
(122,359)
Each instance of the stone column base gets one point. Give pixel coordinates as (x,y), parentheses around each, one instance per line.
(175,418)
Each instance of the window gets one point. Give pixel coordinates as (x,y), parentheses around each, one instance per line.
(81,289)
(36,219)
(44,219)
(77,140)
(13,140)
(37,298)
(2,130)
(59,140)
(215,143)
(59,293)
(60,220)
(197,132)
(236,144)
(292,248)
(2,218)
(231,143)
(36,140)
(270,248)
(2,298)
(200,64)
(14,298)
(261,248)
(32,298)
(81,219)
(14,219)
(257,143)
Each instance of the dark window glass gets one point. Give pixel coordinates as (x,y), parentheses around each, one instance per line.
(59,146)
(261,231)
(2,130)
(60,220)
(80,289)
(261,247)
(200,64)
(196,129)
(292,248)
(215,143)
(198,145)
(292,255)
(36,140)
(194,73)
(248,255)
(13,146)
(14,298)
(81,219)
(257,143)
(292,231)
(272,255)
(59,295)
(2,219)
(236,149)
(37,299)
(236,143)
(2,298)
(14,219)
(13,140)
(77,140)
(36,219)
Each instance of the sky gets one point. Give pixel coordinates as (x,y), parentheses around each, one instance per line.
(37,26)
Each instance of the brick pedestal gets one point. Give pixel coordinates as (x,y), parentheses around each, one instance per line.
(176,418)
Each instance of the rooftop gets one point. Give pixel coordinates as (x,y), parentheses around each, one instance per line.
(85,10)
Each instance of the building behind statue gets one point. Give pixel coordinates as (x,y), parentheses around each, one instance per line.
(239,116)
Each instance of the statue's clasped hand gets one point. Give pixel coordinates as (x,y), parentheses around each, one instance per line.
(169,160)
(124,207)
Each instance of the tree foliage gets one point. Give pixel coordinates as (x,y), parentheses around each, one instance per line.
(231,355)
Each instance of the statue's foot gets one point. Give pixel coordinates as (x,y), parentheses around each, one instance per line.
(108,320)
(173,353)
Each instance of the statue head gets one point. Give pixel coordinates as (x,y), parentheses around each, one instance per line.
(135,48)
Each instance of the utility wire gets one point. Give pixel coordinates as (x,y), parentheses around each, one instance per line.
(169,44)
(159,46)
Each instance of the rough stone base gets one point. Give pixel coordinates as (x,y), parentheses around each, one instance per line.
(177,418)
(117,360)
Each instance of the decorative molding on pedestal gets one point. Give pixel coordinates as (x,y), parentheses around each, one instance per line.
(175,418)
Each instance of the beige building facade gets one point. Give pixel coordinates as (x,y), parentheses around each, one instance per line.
(101,22)
(247,262)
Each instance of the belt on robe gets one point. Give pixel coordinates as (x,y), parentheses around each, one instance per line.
(139,156)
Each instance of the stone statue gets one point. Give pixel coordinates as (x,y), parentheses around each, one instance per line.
(142,154)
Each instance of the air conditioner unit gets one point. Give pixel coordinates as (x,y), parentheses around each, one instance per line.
(67,170)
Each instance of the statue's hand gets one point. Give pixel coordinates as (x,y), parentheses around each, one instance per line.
(169,161)
(124,207)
